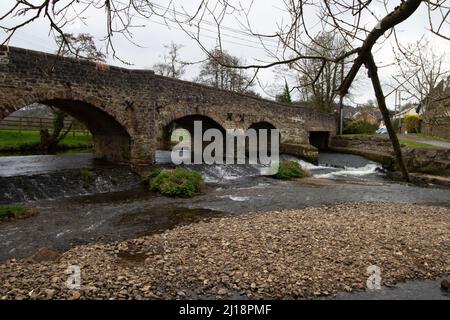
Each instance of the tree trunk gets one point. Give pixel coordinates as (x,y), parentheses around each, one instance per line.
(373,75)
(46,140)
(49,142)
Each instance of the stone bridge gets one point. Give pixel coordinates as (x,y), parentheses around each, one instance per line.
(130,112)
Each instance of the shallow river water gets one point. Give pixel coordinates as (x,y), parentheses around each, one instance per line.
(129,211)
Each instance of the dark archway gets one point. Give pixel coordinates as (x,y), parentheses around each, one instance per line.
(263,125)
(111,141)
(188,123)
(319,139)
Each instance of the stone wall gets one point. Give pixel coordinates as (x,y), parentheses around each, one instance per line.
(441,129)
(421,160)
(98,96)
(126,110)
(374,143)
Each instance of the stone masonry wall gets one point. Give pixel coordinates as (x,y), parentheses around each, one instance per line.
(127,109)
(421,160)
(441,130)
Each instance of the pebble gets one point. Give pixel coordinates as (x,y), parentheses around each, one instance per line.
(74,295)
(305,253)
(222,291)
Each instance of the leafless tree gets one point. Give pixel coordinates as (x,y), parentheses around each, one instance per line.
(172,66)
(422,77)
(49,141)
(214,72)
(81,46)
(353,20)
(320,92)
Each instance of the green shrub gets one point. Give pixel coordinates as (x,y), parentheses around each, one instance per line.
(179,182)
(148,176)
(290,169)
(87,175)
(412,123)
(359,127)
(7,212)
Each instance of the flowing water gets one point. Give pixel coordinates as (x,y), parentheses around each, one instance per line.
(113,206)
(331,166)
(41,177)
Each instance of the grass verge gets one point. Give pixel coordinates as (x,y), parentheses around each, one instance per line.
(14,212)
(417,144)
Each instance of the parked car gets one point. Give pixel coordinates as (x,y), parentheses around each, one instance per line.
(381,130)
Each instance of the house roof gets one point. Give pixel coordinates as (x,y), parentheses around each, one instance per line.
(352,112)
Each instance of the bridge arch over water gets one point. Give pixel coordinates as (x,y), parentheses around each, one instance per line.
(111,139)
(128,111)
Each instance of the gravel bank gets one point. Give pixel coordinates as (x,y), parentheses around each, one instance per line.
(287,254)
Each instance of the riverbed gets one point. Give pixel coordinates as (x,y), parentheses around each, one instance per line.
(130,211)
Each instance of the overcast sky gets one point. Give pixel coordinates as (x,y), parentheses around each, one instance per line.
(265,16)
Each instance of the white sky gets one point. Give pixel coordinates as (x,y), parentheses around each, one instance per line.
(265,16)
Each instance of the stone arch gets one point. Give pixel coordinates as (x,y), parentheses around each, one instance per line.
(319,139)
(186,122)
(263,125)
(111,139)
(171,114)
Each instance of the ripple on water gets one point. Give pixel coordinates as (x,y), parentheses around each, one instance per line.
(235,198)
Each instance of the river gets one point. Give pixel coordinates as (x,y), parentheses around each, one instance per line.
(116,207)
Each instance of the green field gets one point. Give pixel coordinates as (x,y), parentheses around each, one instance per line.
(417,144)
(180,133)
(13,140)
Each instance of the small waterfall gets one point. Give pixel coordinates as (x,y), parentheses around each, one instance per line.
(331,166)
(226,172)
(66,180)
(65,184)
(367,170)
(216,173)
(341,166)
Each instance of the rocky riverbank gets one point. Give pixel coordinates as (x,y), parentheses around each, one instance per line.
(287,254)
